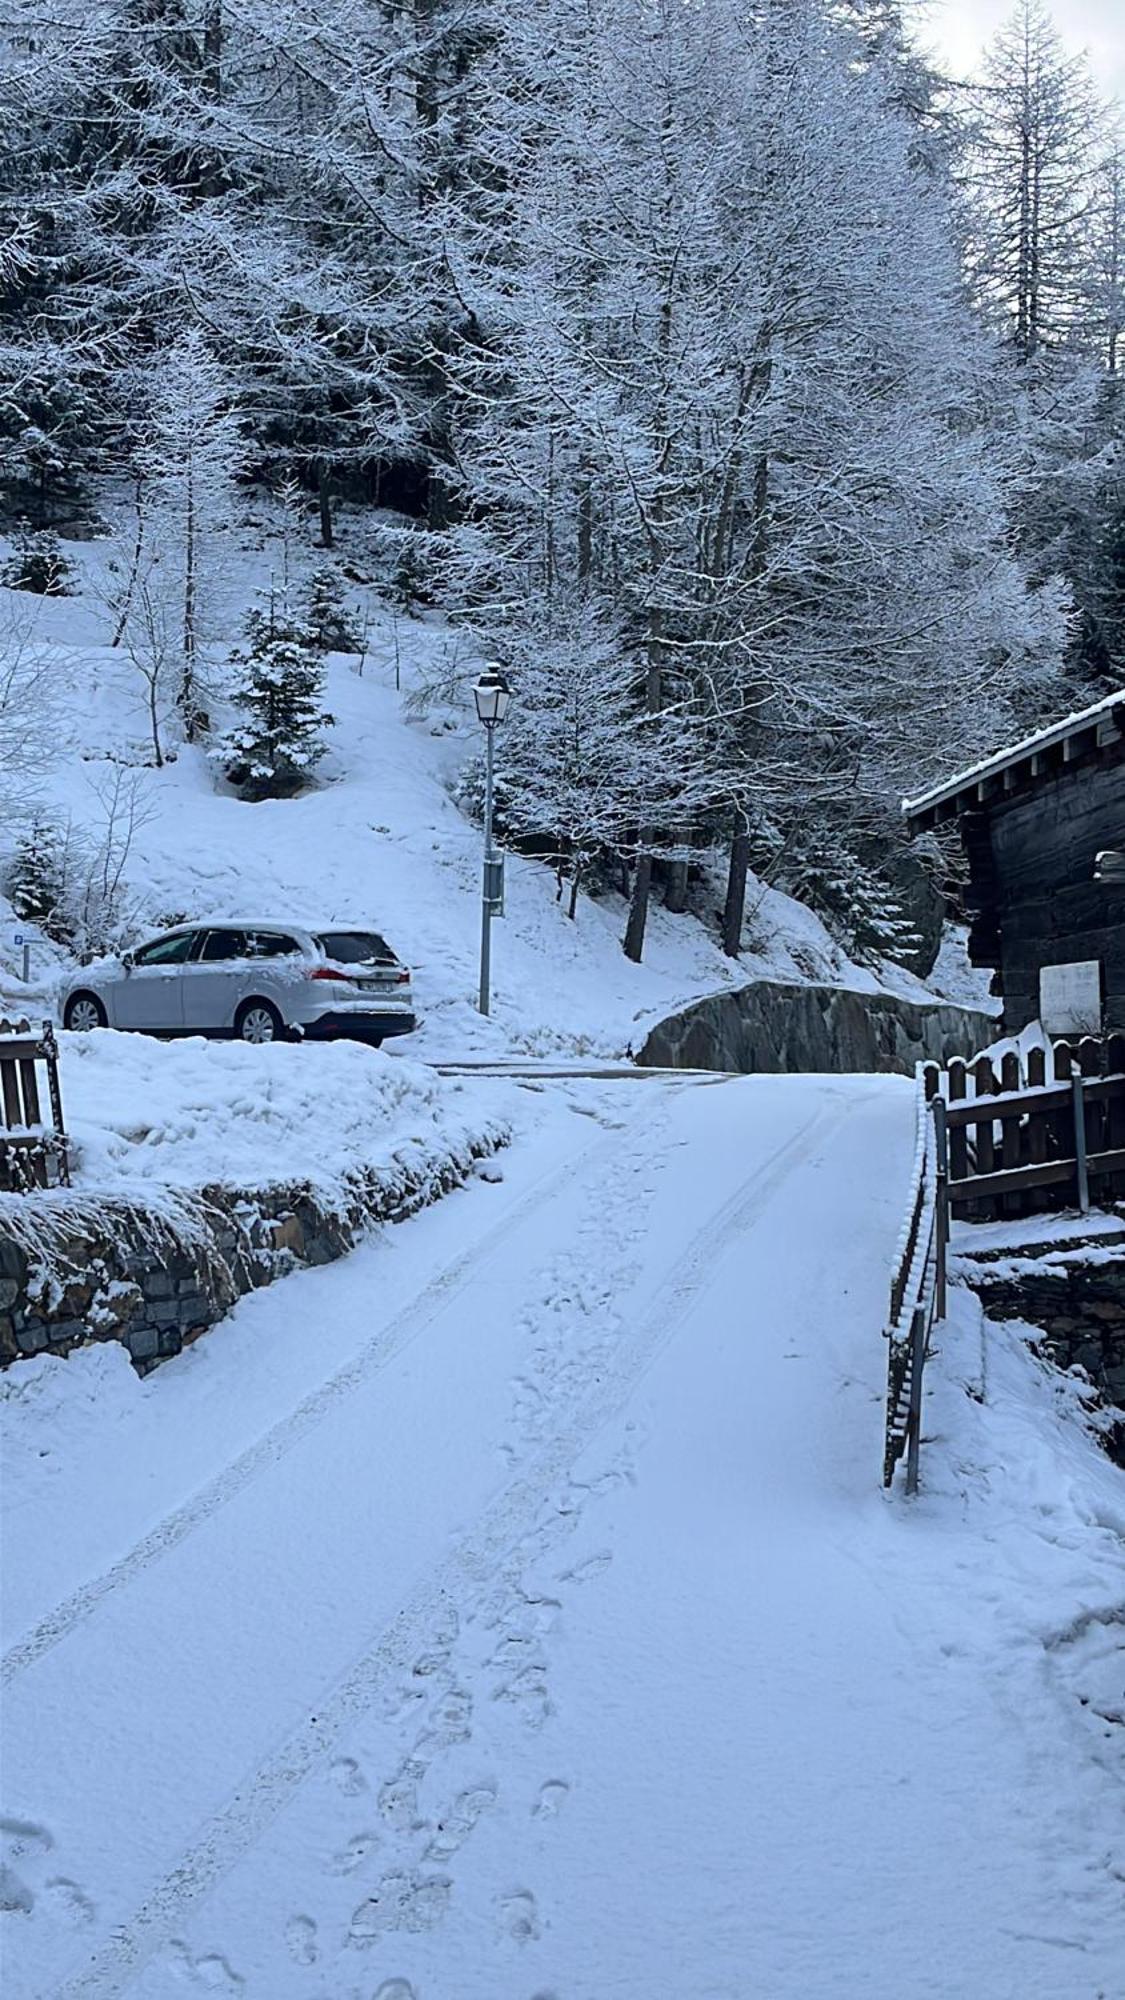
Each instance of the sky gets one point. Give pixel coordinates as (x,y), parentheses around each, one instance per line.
(957,30)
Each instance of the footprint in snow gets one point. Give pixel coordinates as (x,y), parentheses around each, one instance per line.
(22,1837)
(69,1902)
(15,1896)
(349,1858)
(300,1939)
(398,1799)
(401,1902)
(518,1916)
(552,1797)
(210,1970)
(456,1825)
(528,1693)
(347,1777)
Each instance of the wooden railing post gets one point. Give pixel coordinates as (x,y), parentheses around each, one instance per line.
(1079,1094)
(941,1225)
(914,1419)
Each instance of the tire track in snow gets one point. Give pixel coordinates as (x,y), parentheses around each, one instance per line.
(510,1517)
(296,1425)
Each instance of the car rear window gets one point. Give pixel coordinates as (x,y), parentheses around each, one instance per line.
(356,948)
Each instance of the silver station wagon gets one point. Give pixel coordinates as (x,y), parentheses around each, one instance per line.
(261,982)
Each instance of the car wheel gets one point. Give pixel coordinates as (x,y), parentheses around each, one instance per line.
(258,1021)
(84,1011)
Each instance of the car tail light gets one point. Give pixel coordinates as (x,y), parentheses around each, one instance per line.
(334,973)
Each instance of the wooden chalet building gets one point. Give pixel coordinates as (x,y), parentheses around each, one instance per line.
(1033,819)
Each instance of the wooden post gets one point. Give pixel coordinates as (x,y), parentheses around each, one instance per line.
(958,1137)
(984,1079)
(914,1419)
(1079,1094)
(1115,1109)
(941,1217)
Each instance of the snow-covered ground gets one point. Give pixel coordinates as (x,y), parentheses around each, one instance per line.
(511,1612)
(380,841)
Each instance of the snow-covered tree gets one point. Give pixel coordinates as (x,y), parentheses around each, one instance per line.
(187,463)
(726,378)
(588,770)
(1031,173)
(275,745)
(325,610)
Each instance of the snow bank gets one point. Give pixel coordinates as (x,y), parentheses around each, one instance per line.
(143,1113)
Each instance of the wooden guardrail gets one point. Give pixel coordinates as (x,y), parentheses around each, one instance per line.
(993,1137)
(1034,1132)
(33,1150)
(918,1285)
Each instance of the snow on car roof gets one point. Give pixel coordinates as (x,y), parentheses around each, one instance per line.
(312,927)
(1106,718)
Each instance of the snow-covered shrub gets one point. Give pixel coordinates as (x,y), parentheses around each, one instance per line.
(406,567)
(36,882)
(273,749)
(861,908)
(37,564)
(70,879)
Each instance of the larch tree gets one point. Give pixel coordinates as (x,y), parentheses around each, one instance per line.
(187,464)
(1031,171)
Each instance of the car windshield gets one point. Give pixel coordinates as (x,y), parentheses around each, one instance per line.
(356,948)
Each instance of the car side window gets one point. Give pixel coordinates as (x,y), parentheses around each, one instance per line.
(222,945)
(166,951)
(270,944)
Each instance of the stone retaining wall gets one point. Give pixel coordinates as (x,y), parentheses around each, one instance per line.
(1077,1299)
(75,1270)
(773,1027)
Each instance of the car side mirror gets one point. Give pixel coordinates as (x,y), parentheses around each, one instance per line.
(128,961)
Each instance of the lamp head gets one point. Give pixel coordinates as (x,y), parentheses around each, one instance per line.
(492,696)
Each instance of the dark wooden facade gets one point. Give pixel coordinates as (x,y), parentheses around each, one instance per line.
(1032,820)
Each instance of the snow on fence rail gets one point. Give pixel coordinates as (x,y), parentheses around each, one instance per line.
(33,1154)
(917,1284)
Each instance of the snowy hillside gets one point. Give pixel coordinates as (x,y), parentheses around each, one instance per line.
(377,839)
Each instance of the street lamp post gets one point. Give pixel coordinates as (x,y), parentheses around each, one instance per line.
(492,696)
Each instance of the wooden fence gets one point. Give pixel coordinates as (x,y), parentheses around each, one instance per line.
(994,1137)
(1026,1134)
(33,1150)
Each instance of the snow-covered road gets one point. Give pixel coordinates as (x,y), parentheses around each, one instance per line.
(510,1612)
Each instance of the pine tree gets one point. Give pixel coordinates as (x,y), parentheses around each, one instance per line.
(273,750)
(325,610)
(37,564)
(36,878)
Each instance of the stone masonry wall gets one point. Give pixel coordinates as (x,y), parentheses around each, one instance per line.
(156,1278)
(1079,1301)
(770,1026)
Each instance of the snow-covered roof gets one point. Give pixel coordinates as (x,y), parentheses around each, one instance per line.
(1037,756)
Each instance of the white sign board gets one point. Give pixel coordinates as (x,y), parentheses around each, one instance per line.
(1070,998)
